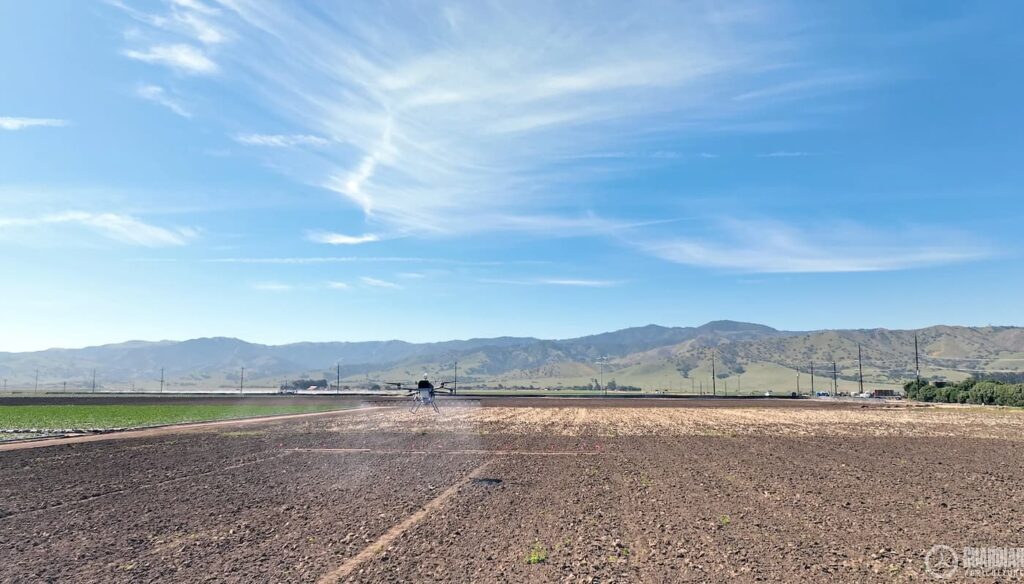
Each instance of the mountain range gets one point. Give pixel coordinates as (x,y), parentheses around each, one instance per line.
(748,356)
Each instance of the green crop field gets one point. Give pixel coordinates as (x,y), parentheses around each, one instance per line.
(103,417)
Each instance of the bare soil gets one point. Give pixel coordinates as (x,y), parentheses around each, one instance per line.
(711,492)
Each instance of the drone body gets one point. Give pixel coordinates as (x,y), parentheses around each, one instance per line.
(424,394)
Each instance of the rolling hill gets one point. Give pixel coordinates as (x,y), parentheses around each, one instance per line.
(747,357)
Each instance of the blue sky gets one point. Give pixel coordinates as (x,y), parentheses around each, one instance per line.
(425,171)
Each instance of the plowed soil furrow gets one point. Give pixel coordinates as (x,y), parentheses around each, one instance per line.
(143,486)
(568,494)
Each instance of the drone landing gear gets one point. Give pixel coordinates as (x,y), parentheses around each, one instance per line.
(418,401)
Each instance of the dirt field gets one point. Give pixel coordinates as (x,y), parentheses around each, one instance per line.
(702,491)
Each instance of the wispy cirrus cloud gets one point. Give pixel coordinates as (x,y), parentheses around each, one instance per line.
(160,96)
(786,154)
(776,247)
(22,123)
(354,259)
(341,238)
(378,283)
(280,140)
(817,84)
(580,282)
(180,57)
(572,282)
(122,228)
(273,287)
(478,109)
(180,37)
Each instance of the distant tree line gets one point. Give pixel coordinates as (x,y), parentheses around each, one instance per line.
(968,391)
(1003,377)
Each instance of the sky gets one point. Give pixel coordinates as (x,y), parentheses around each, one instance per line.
(281,171)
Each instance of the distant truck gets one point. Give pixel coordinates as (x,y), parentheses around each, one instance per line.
(884,393)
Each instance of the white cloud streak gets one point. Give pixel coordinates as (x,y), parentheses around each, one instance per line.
(160,96)
(180,57)
(580,283)
(572,282)
(122,228)
(22,123)
(774,247)
(280,140)
(786,154)
(341,238)
(272,287)
(377,283)
(354,259)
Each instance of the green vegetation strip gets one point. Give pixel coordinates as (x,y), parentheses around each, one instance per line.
(968,391)
(42,418)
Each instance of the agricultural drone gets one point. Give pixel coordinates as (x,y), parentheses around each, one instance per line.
(424,392)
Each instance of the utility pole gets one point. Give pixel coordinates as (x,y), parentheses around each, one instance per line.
(726,390)
(798,382)
(860,369)
(455,384)
(37,380)
(714,384)
(835,380)
(812,378)
(94,381)
(241,383)
(337,383)
(601,361)
(917,364)
(161,380)
(65,387)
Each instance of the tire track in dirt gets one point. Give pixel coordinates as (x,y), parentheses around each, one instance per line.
(144,486)
(462,451)
(395,532)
